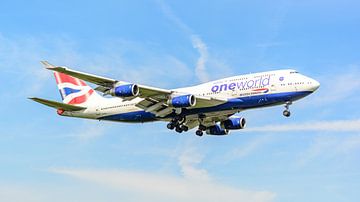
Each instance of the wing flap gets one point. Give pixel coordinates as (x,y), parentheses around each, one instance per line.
(147,91)
(57,105)
(202,101)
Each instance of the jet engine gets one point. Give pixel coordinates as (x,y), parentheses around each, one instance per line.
(182,101)
(216,130)
(128,90)
(234,123)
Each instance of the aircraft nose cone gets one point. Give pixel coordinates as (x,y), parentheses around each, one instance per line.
(314,85)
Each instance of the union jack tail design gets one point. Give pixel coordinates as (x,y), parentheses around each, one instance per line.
(72,90)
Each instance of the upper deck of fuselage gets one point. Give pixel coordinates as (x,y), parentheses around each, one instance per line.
(282,72)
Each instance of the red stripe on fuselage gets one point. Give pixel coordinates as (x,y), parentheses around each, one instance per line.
(81,99)
(64,78)
(260,89)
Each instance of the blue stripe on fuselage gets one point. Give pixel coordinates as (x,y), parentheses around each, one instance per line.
(236,103)
(137,116)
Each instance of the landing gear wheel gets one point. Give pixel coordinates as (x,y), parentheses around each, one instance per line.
(178,129)
(202,127)
(184,128)
(199,133)
(286,113)
(170,126)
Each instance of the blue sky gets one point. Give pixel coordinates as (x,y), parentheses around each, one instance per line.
(312,156)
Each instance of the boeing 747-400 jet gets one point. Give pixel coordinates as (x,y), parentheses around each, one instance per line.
(209,107)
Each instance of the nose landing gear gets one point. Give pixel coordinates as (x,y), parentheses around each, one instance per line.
(286,112)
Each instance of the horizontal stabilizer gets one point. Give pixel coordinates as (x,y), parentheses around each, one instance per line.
(57,105)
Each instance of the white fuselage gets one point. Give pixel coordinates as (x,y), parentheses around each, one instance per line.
(250,91)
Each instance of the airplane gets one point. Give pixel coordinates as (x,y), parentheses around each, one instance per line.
(210,107)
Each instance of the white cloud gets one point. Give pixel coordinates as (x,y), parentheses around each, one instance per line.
(200,69)
(188,161)
(165,188)
(330,126)
(328,146)
(194,184)
(56,192)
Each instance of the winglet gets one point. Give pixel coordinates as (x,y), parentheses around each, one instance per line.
(47,65)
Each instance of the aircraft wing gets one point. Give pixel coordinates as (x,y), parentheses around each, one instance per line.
(99,80)
(159,106)
(104,83)
(155,99)
(57,105)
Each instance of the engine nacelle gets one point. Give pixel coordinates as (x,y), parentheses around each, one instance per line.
(234,123)
(127,90)
(183,101)
(216,130)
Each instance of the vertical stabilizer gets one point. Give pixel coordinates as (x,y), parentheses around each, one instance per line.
(74,91)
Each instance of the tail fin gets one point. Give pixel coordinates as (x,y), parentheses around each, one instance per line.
(74,91)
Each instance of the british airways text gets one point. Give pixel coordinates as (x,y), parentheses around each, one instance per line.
(252,83)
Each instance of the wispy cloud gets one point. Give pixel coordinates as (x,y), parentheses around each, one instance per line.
(245,150)
(330,126)
(197,42)
(164,188)
(188,161)
(330,147)
(109,61)
(11,193)
(200,69)
(88,130)
(18,61)
(168,12)
(337,88)
(194,183)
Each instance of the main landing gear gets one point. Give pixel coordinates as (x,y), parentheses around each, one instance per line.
(286,112)
(199,132)
(177,123)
